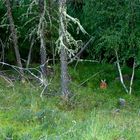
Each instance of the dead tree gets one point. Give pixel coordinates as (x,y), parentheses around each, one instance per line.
(65,45)
(63,51)
(14,37)
(30,52)
(50,7)
(41,34)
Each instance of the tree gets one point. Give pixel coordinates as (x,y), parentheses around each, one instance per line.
(63,51)
(41,34)
(14,37)
(115,26)
(68,46)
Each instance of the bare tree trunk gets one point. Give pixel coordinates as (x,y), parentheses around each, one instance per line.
(120,72)
(51,39)
(132,78)
(63,51)
(64,73)
(14,36)
(42,7)
(3,51)
(30,53)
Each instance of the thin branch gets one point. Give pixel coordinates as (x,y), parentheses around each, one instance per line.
(30,52)
(3,51)
(7,80)
(89,78)
(82,49)
(41,79)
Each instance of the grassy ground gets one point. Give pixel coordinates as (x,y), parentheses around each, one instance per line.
(89,115)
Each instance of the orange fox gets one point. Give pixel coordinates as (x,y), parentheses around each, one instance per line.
(103,84)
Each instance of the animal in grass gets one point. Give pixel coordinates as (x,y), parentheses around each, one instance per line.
(103,84)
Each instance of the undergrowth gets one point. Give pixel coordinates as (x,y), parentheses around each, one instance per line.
(90,114)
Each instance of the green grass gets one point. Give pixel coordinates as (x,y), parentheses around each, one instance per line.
(89,115)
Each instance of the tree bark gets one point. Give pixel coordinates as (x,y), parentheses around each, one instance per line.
(50,30)
(43,55)
(14,36)
(63,51)
(30,53)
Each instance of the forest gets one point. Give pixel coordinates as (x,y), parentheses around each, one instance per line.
(69,69)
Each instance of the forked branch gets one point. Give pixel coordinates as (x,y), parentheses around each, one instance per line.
(120,72)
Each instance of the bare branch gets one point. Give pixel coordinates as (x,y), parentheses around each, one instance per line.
(7,80)
(30,52)
(89,78)
(42,81)
(76,21)
(81,50)
(132,78)
(120,72)
(3,52)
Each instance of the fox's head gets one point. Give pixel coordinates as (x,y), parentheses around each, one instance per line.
(103,84)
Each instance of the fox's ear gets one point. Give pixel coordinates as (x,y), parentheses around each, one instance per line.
(103,80)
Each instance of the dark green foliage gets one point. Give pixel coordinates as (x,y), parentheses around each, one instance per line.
(26,20)
(114,24)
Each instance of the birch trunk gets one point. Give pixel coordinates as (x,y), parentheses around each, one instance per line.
(132,78)
(120,73)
